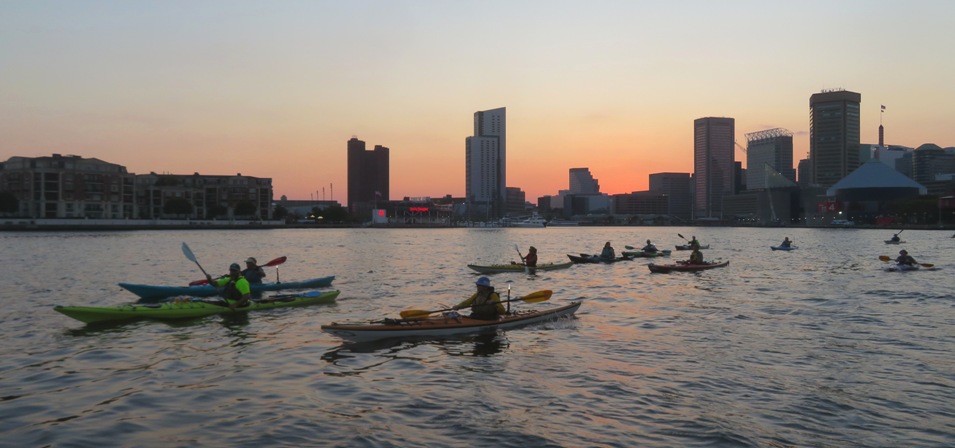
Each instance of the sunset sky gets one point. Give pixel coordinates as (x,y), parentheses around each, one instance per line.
(276,88)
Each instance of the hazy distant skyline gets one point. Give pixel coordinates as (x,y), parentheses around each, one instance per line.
(276,89)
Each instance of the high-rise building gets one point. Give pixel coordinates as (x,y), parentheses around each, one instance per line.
(769,154)
(676,187)
(582,182)
(713,145)
(833,135)
(368,176)
(486,164)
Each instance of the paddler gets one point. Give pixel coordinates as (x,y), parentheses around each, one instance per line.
(237,289)
(485,303)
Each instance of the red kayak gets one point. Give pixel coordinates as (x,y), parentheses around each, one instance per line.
(681,267)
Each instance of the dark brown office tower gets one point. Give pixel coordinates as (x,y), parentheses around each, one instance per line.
(833,135)
(368,176)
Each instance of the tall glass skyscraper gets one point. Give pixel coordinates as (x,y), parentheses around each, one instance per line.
(833,135)
(713,146)
(486,164)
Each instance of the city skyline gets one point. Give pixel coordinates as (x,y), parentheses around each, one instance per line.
(273,90)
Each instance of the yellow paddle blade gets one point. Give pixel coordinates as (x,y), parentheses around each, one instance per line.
(927,265)
(884,257)
(538,296)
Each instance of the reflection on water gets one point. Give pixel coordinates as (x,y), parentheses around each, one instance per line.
(812,347)
(485,344)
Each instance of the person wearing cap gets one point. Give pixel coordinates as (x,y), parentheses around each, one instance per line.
(253,272)
(236,290)
(530,260)
(650,248)
(905,258)
(485,303)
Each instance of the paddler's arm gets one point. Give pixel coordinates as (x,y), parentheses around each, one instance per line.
(467,303)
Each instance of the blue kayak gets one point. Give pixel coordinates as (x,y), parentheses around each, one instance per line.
(783,247)
(159,292)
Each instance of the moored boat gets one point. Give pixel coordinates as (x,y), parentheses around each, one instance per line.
(500,268)
(159,292)
(188,308)
(687,247)
(681,267)
(444,325)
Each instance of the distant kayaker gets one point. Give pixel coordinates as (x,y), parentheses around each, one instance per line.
(696,257)
(253,272)
(905,259)
(236,287)
(530,260)
(694,243)
(485,303)
(786,243)
(650,248)
(608,253)
(895,238)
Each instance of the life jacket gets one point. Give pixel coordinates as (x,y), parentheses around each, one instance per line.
(230,291)
(485,305)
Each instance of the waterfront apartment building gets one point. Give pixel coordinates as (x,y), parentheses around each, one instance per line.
(68,187)
(769,154)
(368,176)
(201,196)
(75,187)
(486,164)
(833,135)
(713,164)
(582,182)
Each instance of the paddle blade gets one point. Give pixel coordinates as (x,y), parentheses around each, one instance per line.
(629,247)
(538,296)
(188,252)
(927,265)
(884,257)
(198,282)
(414,314)
(276,262)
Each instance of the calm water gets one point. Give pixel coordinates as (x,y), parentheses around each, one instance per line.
(817,348)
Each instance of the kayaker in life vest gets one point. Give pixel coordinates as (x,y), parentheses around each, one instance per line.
(608,253)
(530,260)
(786,243)
(696,257)
(485,303)
(694,243)
(650,248)
(905,258)
(236,287)
(253,272)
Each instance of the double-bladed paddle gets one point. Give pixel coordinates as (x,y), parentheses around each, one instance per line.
(888,258)
(270,264)
(523,261)
(192,257)
(534,297)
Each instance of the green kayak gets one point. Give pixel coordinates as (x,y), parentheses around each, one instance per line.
(189,307)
